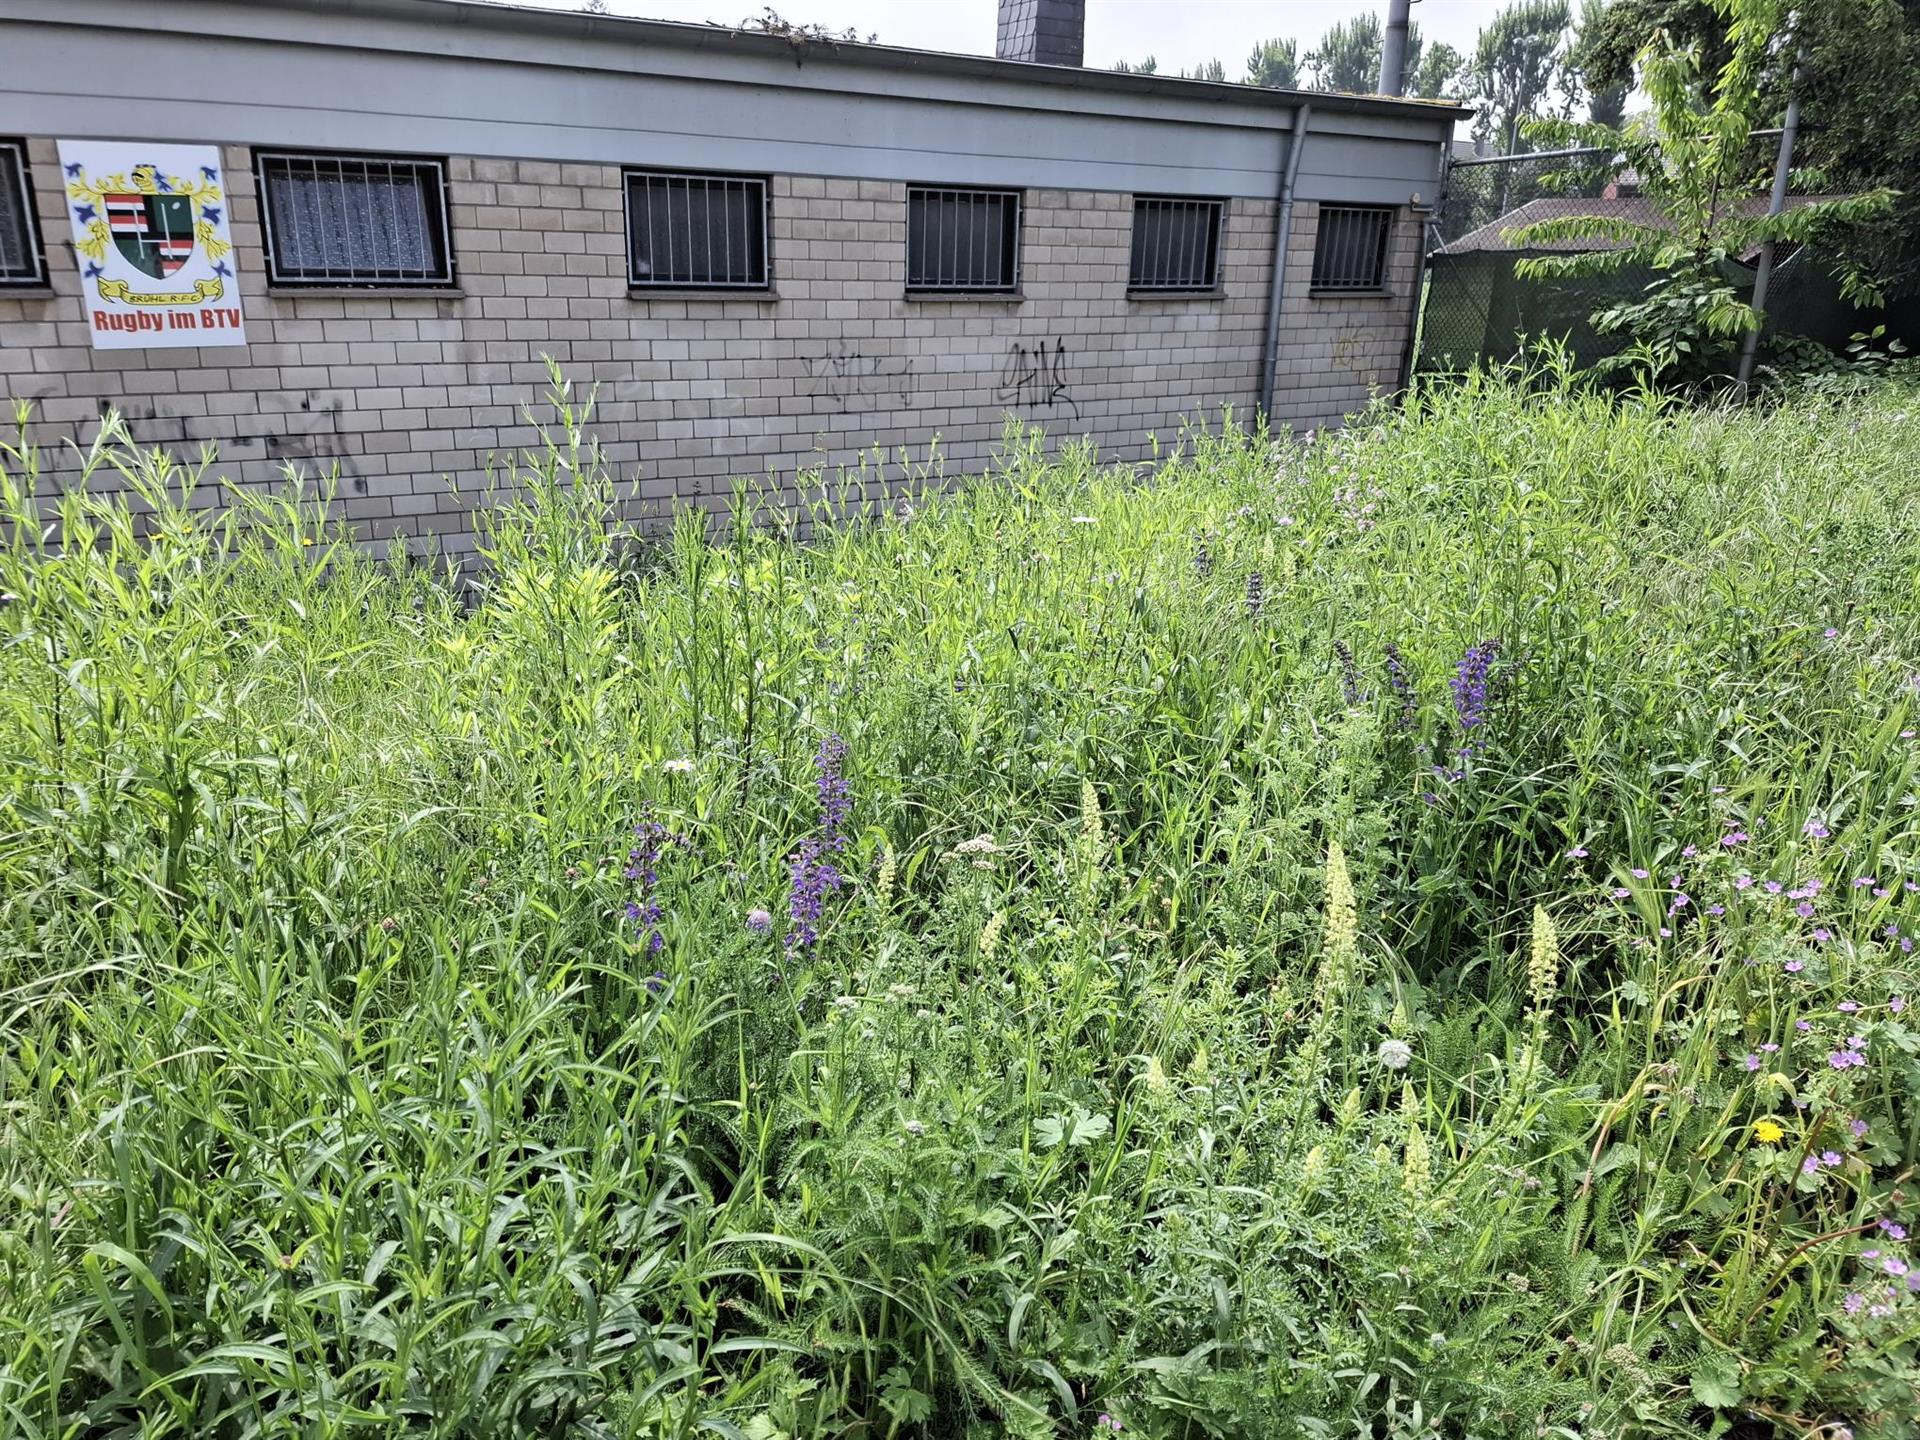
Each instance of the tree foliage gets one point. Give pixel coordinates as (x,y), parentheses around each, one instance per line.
(1439,72)
(1606,93)
(1275,63)
(1521,58)
(1694,161)
(1859,85)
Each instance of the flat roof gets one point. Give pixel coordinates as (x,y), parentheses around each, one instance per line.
(501,16)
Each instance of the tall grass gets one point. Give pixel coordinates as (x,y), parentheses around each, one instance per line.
(1301,955)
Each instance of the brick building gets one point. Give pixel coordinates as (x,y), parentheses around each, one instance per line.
(770,253)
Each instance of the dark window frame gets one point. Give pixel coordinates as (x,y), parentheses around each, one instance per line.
(35,275)
(629,174)
(944,284)
(432,172)
(1352,272)
(1183,281)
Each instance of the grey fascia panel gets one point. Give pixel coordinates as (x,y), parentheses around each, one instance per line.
(1344,170)
(529,36)
(687,108)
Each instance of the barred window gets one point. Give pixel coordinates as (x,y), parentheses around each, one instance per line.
(1176,244)
(963,239)
(22,262)
(354,220)
(1350,252)
(703,232)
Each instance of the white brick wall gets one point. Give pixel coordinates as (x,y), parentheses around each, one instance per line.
(409,395)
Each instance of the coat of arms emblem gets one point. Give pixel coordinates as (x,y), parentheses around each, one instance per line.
(155,232)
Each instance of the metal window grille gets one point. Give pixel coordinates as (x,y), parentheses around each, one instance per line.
(22,262)
(354,220)
(1350,252)
(1176,244)
(962,239)
(706,232)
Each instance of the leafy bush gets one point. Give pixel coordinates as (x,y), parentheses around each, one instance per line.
(1404,934)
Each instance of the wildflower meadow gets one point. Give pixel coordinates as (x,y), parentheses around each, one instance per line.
(1401,932)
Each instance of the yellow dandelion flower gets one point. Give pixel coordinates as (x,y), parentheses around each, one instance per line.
(1768,1133)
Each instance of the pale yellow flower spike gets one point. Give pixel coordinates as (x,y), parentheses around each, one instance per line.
(1090,829)
(990,936)
(1343,920)
(1543,966)
(1417,1176)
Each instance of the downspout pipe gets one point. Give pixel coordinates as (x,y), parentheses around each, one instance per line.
(1282,235)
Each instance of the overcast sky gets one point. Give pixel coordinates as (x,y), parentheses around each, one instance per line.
(1180,34)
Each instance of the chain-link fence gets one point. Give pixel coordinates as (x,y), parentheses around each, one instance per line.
(1478,310)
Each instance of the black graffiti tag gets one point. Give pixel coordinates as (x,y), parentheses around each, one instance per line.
(1036,377)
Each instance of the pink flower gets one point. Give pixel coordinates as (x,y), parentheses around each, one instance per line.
(1794,967)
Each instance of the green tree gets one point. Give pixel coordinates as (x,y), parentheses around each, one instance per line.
(1148,66)
(1438,75)
(1695,163)
(1275,63)
(1859,94)
(1606,95)
(1348,56)
(1519,61)
(1859,89)
(1207,70)
(1611,40)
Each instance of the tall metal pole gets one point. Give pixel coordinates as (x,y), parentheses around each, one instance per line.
(1393,51)
(1763,273)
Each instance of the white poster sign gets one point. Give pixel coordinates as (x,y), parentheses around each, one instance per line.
(150,232)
